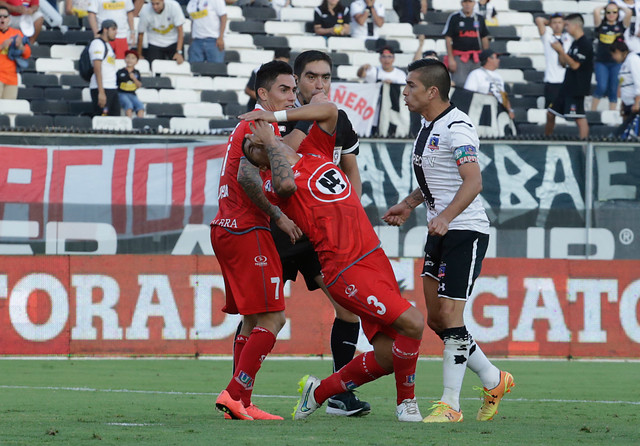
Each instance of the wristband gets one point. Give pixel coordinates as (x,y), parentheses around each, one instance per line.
(280,116)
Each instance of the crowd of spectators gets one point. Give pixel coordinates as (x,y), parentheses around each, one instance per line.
(473,64)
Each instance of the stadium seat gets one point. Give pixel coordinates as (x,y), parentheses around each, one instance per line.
(234,13)
(71,21)
(5,121)
(347,72)
(297,14)
(77,37)
(81,108)
(30,93)
(340,59)
(511,75)
(209,69)
(533,76)
(234,109)
(396,30)
(76,122)
(376,45)
(235,41)
(230,83)
(270,42)
(33,121)
(344,44)
(278,28)
(63,94)
(164,110)
(528,89)
(219,96)
(14,107)
(147,95)
(231,55)
(45,107)
(525,47)
(520,63)
(189,125)
(111,123)
(433,31)
(194,83)
(150,123)
(40,51)
(255,57)
(203,110)
(51,37)
(178,96)
(438,17)
(73,80)
(408,44)
(156,82)
(229,123)
(247,27)
(534,6)
(239,69)
(259,13)
(309,3)
(66,51)
(504,33)
(39,80)
(303,43)
(170,67)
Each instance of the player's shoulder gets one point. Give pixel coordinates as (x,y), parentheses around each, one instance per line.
(457,119)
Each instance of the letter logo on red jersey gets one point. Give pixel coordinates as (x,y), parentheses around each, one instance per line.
(261,260)
(328,184)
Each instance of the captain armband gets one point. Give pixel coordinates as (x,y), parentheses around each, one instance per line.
(465,154)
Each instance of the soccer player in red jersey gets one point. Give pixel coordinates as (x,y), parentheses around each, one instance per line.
(248,258)
(317,195)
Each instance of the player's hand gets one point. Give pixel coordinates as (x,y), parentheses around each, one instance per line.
(258,115)
(262,133)
(438,226)
(289,228)
(397,215)
(319,98)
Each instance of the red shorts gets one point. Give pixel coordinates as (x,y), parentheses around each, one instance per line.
(370,290)
(120,46)
(251,269)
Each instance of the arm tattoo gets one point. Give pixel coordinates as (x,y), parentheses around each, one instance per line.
(250,180)
(280,168)
(414,199)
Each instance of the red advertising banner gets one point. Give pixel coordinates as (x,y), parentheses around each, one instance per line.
(170,305)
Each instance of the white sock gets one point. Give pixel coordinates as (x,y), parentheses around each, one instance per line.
(455,358)
(488,373)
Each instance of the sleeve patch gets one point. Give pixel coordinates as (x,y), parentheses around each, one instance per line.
(465,154)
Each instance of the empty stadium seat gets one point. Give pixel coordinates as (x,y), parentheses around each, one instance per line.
(164,110)
(303,43)
(156,82)
(63,94)
(14,107)
(234,109)
(81,108)
(297,14)
(210,69)
(228,123)
(76,122)
(111,123)
(189,125)
(255,57)
(66,51)
(73,80)
(30,93)
(203,110)
(170,67)
(234,41)
(39,80)
(396,30)
(534,6)
(194,83)
(33,121)
(259,13)
(269,42)
(219,96)
(278,28)
(230,83)
(239,69)
(147,95)
(150,123)
(247,27)
(178,96)
(45,107)
(345,44)
(5,121)
(347,72)
(40,51)
(76,37)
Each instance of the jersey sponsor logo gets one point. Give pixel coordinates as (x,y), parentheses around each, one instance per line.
(225,222)
(470,33)
(417,160)
(199,14)
(112,6)
(329,184)
(350,290)
(223,192)
(261,260)
(163,30)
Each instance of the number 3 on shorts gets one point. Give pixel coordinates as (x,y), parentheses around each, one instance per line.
(373,300)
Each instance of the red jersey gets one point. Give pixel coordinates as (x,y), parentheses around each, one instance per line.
(324,204)
(236,211)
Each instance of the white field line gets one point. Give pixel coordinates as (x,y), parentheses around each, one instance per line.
(212,394)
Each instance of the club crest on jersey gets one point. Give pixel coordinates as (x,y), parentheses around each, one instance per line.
(261,260)
(433,143)
(350,290)
(268,186)
(329,184)
(442,270)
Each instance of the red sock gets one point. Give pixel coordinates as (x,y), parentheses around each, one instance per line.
(238,345)
(360,370)
(256,349)
(405,359)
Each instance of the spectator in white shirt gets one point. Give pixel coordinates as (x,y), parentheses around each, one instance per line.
(162,20)
(486,80)
(121,12)
(385,72)
(552,30)
(103,86)
(367,16)
(629,76)
(209,19)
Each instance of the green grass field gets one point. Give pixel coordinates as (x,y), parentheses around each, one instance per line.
(171,402)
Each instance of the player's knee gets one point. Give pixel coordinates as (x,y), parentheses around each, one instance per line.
(411,323)
(434,324)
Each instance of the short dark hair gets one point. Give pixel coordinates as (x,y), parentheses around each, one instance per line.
(5,8)
(576,18)
(619,45)
(306,57)
(269,72)
(244,151)
(433,73)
